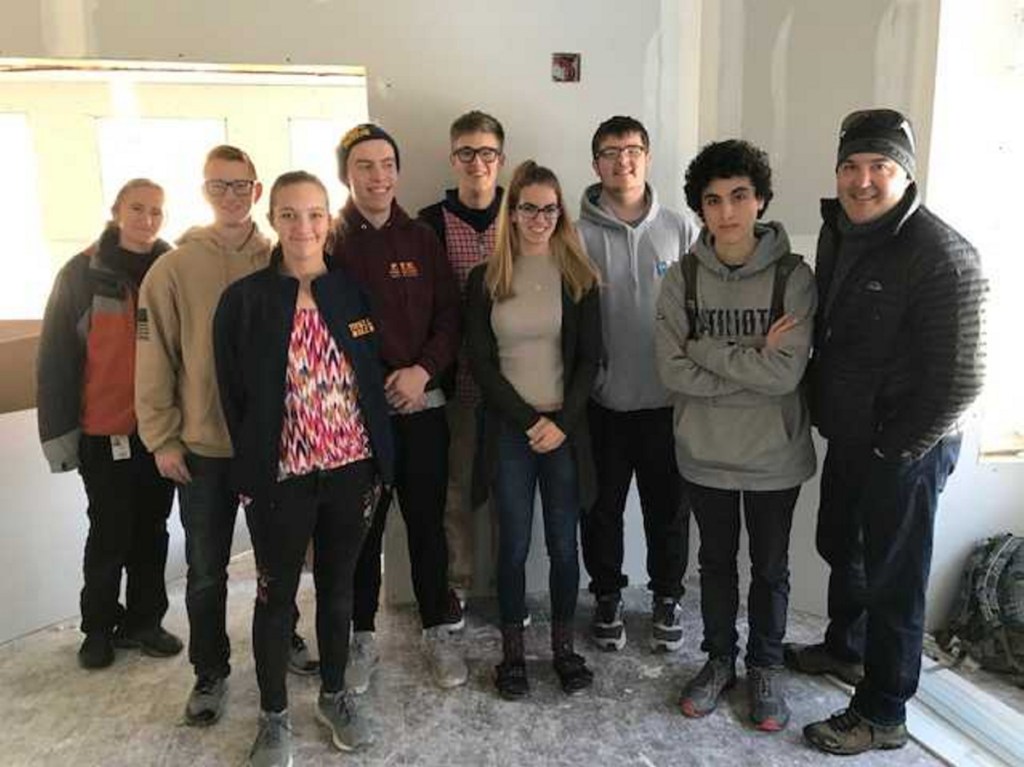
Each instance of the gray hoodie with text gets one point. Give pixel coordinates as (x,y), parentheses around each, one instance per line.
(741,422)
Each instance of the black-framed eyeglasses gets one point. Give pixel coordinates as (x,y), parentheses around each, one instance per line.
(218,187)
(466,154)
(877,119)
(531,211)
(611,153)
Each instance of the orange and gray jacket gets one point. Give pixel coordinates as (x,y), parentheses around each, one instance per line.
(86,363)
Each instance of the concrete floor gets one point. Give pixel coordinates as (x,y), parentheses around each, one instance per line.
(54,713)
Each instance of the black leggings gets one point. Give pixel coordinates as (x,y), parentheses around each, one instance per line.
(335,508)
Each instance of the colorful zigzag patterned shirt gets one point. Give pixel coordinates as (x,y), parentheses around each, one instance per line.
(323,427)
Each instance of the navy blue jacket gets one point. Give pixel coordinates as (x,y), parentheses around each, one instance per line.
(251,332)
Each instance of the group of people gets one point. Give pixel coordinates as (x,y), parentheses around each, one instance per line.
(491,348)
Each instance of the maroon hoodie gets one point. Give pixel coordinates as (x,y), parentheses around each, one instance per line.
(413,293)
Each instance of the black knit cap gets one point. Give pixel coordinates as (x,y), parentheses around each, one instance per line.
(880,131)
(357,135)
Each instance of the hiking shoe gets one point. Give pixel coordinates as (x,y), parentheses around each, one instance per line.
(573,674)
(273,744)
(97,651)
(847,732)
(768,709)
(455,616)
(155,642)
(444,659)
(607,629)
(337,710)
(816,659)
(206,701)
(511,680)
(666,625)
(300,661)
(700,695)
(362,660)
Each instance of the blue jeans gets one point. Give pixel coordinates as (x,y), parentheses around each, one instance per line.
(208,510)
(519,471)
(875,525)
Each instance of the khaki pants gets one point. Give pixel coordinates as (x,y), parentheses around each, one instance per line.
(459,521)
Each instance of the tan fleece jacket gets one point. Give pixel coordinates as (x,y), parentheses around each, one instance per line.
(176,397)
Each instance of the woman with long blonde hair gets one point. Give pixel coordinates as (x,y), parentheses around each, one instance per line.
(534,331)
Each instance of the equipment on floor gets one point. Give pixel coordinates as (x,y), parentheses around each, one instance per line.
(987,621)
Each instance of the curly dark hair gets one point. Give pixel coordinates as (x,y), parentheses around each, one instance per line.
(728,159)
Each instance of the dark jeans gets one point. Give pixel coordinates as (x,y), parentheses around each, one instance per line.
(335,508)
(129,503)
(875,525)
(640,442)
(768,516)
(208,510)
(421,481)
(515,487)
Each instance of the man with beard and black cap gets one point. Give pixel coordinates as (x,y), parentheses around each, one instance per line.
(897,361)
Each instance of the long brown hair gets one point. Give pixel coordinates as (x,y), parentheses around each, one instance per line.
(577,271)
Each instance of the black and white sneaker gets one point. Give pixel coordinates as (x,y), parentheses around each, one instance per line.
(608,631)
(666,625)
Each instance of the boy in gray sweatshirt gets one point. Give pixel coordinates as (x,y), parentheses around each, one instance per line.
(733,334)
(633,241)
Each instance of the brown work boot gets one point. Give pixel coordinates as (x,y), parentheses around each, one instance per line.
(816,659)
(847,733)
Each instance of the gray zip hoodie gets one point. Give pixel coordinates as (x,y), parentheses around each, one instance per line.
(740,420)
(633,261)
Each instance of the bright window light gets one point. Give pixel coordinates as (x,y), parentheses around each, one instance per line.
(170,152)
(313,144)
(25,255)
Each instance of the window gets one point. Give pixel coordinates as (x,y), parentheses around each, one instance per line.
(27,275)
(76,131)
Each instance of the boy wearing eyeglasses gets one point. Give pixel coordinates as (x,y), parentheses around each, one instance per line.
(633,241)
(465,223)
(897,360)
(178,406)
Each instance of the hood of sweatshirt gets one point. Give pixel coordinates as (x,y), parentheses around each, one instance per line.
(591,211)
(205,238)
(772,244)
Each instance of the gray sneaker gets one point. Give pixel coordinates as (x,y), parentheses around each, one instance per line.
(700,695)
(300,661)
(206,701)
(607,629)
(666,626)
(768,709)
(338,712)
(362,660)
(273,745)
(444,659)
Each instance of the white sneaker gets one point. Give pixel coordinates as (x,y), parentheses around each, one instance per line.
(444,658)
(362,660)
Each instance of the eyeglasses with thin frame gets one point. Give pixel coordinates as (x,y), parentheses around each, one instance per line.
(883,119)
(466,154)
(218,187)
(612,153)
(549,212)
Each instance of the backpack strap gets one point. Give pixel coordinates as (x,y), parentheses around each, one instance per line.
(1000,551)
(783,268)
(688,264)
